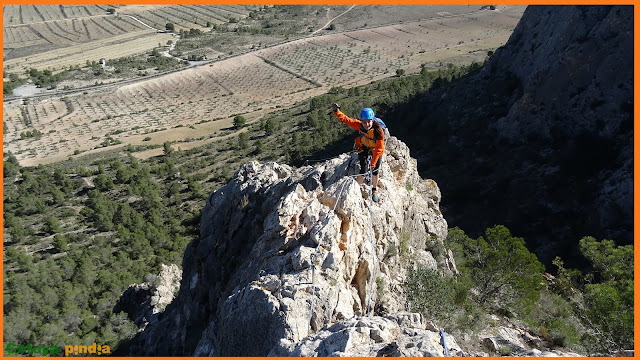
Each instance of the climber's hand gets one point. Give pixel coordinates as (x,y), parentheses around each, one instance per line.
(335,107)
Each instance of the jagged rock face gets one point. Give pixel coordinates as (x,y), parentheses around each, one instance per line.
(143,302)
(575,63)
(399,335)
(541,139)
(408,335)
(276,240)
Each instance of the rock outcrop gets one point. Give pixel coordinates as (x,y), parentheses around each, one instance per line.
(404,334)
(287,252)
(410,335)
(143,302)
(301,262)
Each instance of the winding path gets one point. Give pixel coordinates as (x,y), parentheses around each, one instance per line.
(328,23)
(140,21)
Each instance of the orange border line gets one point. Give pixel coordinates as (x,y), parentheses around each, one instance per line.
(636,171)
(2,204)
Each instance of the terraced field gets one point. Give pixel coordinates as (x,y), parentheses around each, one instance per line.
(204,99)
(112,47)
(57,36)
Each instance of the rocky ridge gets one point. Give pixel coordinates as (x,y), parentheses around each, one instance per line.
(275,239)
(143,302)
(284,266)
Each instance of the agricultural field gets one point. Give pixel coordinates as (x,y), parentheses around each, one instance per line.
(116,46)
(197,104)
(55,37)
(187,16)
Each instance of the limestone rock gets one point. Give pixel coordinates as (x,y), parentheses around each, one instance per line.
(143,302)
(284,252)
(554,106)
(371,336)
(301,262)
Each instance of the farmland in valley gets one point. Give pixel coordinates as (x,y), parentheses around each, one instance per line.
(198,104)
(58,36)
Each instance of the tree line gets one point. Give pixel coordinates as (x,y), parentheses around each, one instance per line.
(74,247)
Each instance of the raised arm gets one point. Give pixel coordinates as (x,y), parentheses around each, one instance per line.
(352,123)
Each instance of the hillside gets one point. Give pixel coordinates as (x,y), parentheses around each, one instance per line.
(301,262)
(94,224)
(246,282)
(79,231)
(541,139)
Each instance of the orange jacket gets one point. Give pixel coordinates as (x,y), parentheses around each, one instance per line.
(373,138)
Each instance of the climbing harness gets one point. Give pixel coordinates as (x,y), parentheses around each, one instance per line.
(444,343)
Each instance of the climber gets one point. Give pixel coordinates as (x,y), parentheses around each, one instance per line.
(370,142)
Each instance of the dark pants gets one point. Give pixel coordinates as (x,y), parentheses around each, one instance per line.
(362,156)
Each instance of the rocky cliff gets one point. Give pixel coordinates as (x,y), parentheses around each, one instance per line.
(284,252)
(541,138)
(301,262)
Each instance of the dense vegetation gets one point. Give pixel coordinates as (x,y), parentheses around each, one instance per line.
(75,247)
(78,232)
(152,60)
(589,312)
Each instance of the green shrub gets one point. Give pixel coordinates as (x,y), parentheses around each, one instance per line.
(608,301)
(392,251)
(429,293)
(239,122)
(403,247)
(380,288)
(52,225)
(504,350)
(60,243)
(553,319)
(505,274)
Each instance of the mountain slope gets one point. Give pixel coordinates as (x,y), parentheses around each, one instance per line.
(541,139)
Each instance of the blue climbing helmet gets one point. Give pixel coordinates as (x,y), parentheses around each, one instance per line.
(367,114)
